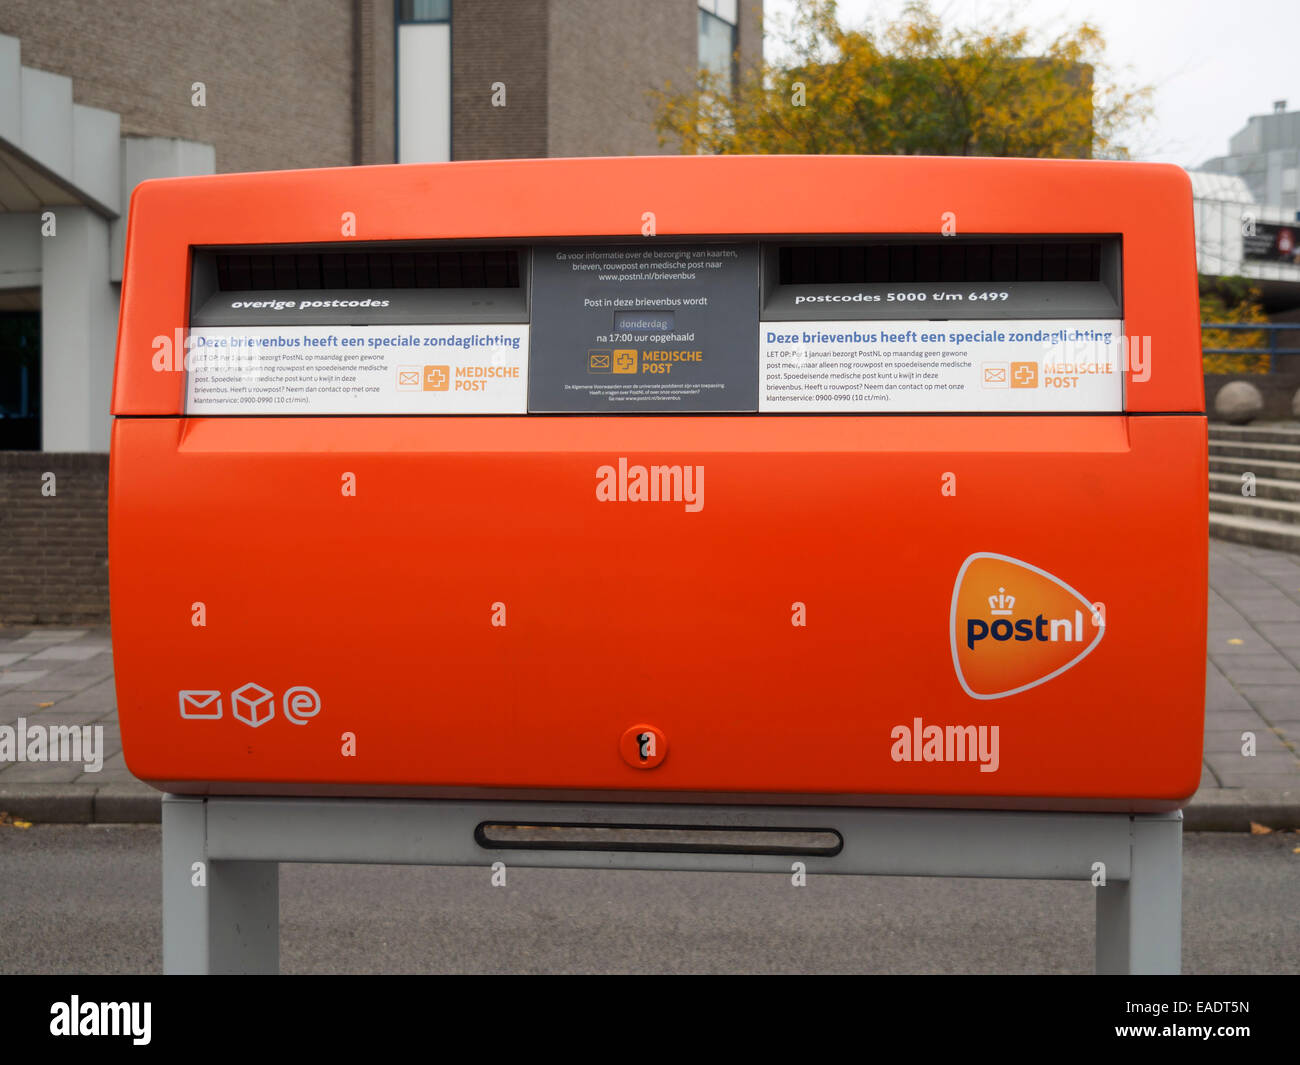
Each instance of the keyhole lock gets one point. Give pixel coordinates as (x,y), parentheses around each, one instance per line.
(643,746)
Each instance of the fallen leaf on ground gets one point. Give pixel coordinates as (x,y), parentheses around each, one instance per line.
(42,706)
(1256,829)
(22,824)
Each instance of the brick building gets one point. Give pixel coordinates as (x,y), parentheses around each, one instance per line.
(95,98)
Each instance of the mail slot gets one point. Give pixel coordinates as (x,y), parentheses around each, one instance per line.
(830,480)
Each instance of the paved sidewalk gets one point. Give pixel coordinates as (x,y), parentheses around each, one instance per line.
(65,677)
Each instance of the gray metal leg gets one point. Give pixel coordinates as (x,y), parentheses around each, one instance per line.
(1139,921)
(218,916)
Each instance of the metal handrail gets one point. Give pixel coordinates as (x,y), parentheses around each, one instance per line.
(1270,329)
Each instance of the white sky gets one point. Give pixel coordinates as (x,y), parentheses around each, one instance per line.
(1212,64)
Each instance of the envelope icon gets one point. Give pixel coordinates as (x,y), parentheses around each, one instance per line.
(409,377)
(204,705)
(598,362)
(995,375)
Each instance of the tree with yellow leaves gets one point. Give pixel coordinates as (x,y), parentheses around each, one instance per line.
(913,88)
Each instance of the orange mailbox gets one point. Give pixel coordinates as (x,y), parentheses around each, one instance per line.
(833,480)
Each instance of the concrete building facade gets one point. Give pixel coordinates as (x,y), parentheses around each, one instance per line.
(1266,156)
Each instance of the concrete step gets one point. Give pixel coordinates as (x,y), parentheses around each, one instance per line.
(1247,450)
(1274,509)
(1281,471)
(1258,532)
(1267,433)
(1265,487)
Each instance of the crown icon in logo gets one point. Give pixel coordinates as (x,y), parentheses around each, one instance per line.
(1001,603)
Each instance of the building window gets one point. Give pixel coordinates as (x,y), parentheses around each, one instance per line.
(20,380)
(718,40)
(425,11)
(423,81)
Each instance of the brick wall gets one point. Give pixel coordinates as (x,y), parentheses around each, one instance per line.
(605,55)
(278,75)
(491,41)
(53,549)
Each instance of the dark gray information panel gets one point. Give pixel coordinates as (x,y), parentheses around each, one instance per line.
(629,329)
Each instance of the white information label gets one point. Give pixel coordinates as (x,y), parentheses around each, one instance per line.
(358,369)
(988,365)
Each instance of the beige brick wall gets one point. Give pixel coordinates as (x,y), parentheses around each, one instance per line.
(278,74)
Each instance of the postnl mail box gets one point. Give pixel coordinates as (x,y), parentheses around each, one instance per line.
(835,480)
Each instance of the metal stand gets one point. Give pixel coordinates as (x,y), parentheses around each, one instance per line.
(221,873)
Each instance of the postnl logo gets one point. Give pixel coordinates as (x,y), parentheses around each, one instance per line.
(1014,626)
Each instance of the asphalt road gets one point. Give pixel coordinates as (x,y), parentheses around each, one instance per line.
(88,899)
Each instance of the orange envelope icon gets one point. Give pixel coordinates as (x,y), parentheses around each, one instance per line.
(598,361)
(995,375)
(409,377)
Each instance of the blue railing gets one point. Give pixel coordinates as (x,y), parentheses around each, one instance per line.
(1270,329)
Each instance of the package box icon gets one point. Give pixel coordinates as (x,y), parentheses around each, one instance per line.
(253,704)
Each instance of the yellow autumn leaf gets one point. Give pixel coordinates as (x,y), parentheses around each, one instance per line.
(22,824)
(1256,829)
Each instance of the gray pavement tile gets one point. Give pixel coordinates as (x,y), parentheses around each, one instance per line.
(1280,633)
(38,773)
(80,680)
(1238,642)
(1261,695)
(70,652)
(114,777)
(1281,716)
(57,680)
(27,697)
(13,678)
(1255,678)
(47,718)
(102,642)
(100,698)
(1229,741)
(1266,660)
(50,636)
(1223,700)
(1269,761)
(1233,780)
(116,764)
(1279,609)
(1221,720)
(7,659)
